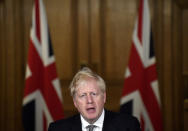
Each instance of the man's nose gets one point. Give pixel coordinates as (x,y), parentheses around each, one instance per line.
(89,99)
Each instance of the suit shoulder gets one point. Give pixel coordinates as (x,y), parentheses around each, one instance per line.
(131,121)
(118,115)
(122,121)
(68,120)
(65,124)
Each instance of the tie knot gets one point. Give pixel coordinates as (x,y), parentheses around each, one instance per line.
(90,127)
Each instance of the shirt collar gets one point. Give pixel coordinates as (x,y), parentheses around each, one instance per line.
(98,123)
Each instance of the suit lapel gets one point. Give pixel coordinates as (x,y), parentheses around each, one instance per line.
(76,125)
(108,124)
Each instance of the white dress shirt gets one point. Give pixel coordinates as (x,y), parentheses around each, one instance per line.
(98,123)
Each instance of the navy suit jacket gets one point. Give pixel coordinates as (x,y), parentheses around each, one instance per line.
(112,122)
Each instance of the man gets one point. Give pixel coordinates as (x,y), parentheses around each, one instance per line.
(89,96)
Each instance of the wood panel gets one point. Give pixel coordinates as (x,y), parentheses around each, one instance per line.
(177,67)
(19,63)
(185,115)
(167,68)
(182,3)
(185,68)
(12,65)
(2,68)
(185,39)
(117,36)
(96,35)
(84,28)
(62,29)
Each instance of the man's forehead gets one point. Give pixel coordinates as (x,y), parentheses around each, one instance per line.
(87,87)
(87,82)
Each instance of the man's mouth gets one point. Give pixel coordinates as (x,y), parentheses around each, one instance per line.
(90,110)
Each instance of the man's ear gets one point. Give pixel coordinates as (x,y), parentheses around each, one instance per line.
(74,101)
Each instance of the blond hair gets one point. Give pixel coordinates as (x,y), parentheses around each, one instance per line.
(83,75)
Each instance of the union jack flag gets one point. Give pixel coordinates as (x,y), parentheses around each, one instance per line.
(140,93)
(42,102)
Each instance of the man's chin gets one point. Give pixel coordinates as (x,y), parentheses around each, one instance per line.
(91,119)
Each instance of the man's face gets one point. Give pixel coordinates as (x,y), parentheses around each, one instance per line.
(89,100)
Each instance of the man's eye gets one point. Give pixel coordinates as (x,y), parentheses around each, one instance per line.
(93,94)
(83,95)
